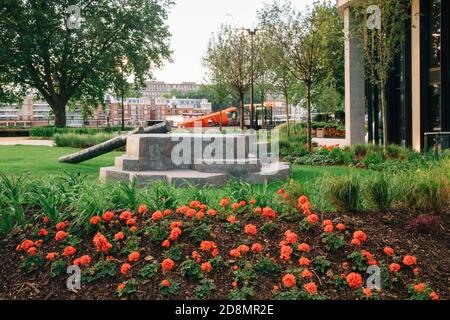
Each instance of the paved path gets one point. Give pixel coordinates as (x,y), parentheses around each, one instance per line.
(330,142)
(26,141)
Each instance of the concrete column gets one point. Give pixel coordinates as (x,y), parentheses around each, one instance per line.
(354,85)
(415,76)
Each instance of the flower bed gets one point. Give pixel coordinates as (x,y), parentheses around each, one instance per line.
(225,250)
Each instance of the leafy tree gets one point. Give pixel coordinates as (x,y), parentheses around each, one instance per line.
(303,41)
(328,99)
(380,45)
(50,48)
(229,58)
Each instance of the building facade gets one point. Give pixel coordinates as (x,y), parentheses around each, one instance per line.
(158,89)
(418,88)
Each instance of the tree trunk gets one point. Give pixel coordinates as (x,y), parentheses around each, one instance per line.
(241,108)
(383,117)
(112,144)
(59,109)
(308,110)
(286,101)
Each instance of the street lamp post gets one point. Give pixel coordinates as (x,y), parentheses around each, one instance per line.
(252,33)
(123,94)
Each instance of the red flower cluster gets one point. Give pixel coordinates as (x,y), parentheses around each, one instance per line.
(101,243)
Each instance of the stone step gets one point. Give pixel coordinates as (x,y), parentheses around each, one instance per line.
(234,167)
(179,178)
(273,172)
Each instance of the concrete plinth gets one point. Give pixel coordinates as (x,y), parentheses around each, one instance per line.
(183,159)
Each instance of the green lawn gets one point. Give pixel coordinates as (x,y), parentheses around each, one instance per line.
(41,161)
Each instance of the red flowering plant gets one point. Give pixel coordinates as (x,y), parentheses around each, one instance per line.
(240,245)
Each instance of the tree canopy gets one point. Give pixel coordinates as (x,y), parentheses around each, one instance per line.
(69,50)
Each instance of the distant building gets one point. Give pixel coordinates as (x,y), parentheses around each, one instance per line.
(157,89)
(187,108)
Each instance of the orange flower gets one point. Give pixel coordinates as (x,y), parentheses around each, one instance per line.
(340,226)
(167,264)
(25,245)
(234,284)
(394,267)
(200,215)
(133,229)
(207,245)
(108,216)
(125,268)
(157,215)
(95,220)
(175,233)
(243,248)
(420,287)
(356,242)
(165,244)
(312,219)
(196,256)
(60,235)
(268,213)
(250,229)
(257,210)
(45,220)
(32,251)
(134,256)
(85,260)
(416,271)
(125,215)
(167,212)
(304,247)
(354,280)
(257,247)
(69,251)
(327,223)
(304,261)
(286,252)
(289,280)
(328,228)
(252,202)
(176,224)
(311,288)
(190,213)
(231,219)
(235,206)
(51,256)
(306,274)
(409,260)
(43,232)
(276,288)
(101,243)
(206,267)
(434,296)
(291,237)
(281,191)
(131,222)
(119,236)
(360,235)
(224,202)
(165,283)
(302,200)
(389,251)
(367,292)
(142,209)
(61,225)
(212,212)
(121,286)
(235,253)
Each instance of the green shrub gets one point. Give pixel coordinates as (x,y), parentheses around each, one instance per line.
(343,192)
(50,131)
(378,192)
(424,190)
(81,140)
(373,158)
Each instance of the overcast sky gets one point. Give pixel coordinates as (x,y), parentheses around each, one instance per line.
(191,23)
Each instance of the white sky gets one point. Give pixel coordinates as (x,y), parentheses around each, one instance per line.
(191,23)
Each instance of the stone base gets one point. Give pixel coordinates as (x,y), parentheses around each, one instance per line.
(185,178)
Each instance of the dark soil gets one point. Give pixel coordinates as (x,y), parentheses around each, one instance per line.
(382,229)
